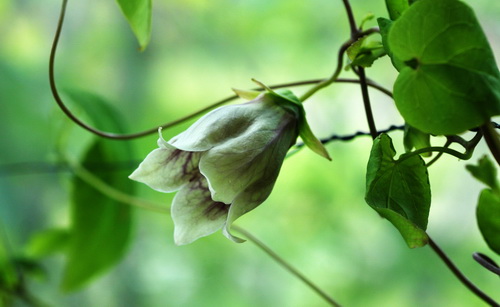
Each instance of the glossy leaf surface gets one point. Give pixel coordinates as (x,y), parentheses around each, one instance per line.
(396,7)
(399,190)
(450,81)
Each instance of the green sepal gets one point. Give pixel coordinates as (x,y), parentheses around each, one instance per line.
(289,101)
(246,94)
(310,139)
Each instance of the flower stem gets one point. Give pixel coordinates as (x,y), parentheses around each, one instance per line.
(456,271)
(286,265)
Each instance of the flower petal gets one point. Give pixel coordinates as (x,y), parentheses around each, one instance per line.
(195,214)
(248,200)
(167,169)
(258,152)
(227,123)
(265,168)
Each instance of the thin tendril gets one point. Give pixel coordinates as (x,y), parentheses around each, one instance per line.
(439,155)
(109,191)
(335,75)
(456,271)
(487,263)
(286,265)
(116,136)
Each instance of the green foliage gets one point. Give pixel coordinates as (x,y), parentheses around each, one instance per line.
(399,190)
(396,8)
(138,15)
(488,207)
(365,51)
(485,172)
(450,81)
(100,226)
(414,138)
(47,242)
(8,274)
(385,25)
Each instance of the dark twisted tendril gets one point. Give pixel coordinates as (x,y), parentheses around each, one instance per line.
(487,263)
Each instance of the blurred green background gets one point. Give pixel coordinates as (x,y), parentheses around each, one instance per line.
(316,218)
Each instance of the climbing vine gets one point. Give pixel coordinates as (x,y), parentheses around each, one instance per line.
(226,163)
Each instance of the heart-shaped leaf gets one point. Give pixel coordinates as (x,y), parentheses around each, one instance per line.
(450,81)
(399,190)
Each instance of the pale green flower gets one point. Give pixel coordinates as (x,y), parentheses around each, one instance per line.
(224,165)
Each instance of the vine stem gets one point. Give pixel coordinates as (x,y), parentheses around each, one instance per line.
(89,128)
(335,75)
(113,193)
(75,119)
(492,140)
(286,265)
(456,271)
(356,34)
(494,145)
(366,102)
(350,17)
(462,156)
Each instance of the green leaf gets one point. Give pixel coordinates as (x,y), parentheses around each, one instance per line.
(488,207)
(47,242)
(488,218)
(138,15)
(100,226)
(8,275)
(97,110)
(364,52)
(485,172)
(396,8)
(450,81)
(414,138)
(385,25)
(399,190)
(30,267)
